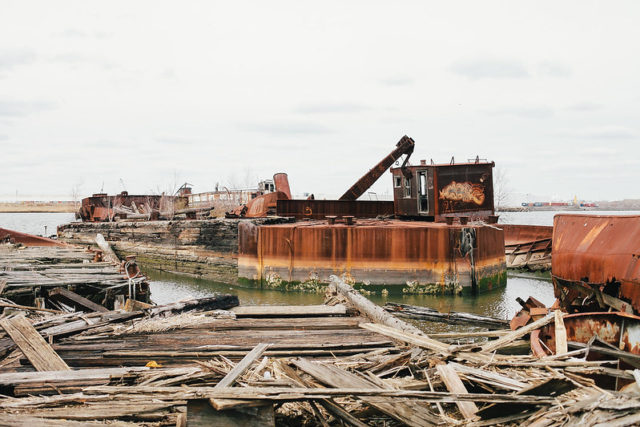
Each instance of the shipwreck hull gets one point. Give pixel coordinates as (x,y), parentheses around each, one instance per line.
(596,262)
(399,256)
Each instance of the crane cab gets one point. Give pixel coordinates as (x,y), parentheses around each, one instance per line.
(433,192)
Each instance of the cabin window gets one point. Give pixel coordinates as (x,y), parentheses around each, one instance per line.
(397,181)
(407,187)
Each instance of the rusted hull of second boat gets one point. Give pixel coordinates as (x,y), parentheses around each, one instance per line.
(596,261)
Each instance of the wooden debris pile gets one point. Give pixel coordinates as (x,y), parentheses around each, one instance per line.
(211,362)
(64,279)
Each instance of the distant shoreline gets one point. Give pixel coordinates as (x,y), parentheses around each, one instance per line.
(38,207)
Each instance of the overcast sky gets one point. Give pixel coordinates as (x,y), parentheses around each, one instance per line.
(144,95)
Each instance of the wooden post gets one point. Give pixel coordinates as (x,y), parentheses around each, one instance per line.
(561,334)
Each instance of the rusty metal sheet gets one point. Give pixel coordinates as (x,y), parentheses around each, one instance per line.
(517,234)
(599,251)
(320,209)
(374,252)
(27,239)
(264,205)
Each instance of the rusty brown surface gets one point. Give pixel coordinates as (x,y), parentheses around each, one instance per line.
(517,234)
(264,205)
(379,252)
(600,253)
(281,182)
(448,190)
(27,239)
(320,209)
(404,146)
(619,330)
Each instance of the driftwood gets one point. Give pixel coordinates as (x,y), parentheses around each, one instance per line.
(426,313)
(109,254)
(369,309)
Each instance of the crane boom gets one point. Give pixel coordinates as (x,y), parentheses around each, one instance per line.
(404,146)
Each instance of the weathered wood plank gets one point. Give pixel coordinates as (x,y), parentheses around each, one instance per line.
(410,413)
(80,300)
(31,343)
(561,334)
(454,384)
(242,367)
(289,310)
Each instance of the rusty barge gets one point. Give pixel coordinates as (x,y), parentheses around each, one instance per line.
(437,235)
(440,242)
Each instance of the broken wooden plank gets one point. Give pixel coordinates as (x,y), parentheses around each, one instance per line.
(109,254)
(408,412)
(418,340)
(289,310)
(76,299)
(454,384)
(242,367)
(31,343)
(561,334)
(297,393)
(427,313)
(551,388)
(514,335)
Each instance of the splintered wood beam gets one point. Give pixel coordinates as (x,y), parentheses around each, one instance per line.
(454,385)
(417,340)
(109,254)
(75,298)
(512,336)
(242,366)
(31,343)
(374,312)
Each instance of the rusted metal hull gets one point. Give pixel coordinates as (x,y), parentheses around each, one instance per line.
(320,209)
(620,330)
(27,239)
(527,246)
(413,257)
(596,262)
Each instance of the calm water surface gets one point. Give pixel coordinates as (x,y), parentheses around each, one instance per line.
(500,303)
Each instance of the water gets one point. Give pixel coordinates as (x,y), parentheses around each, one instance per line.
(500,303)
(35,223)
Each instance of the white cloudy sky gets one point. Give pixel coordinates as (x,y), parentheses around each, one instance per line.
(146,94)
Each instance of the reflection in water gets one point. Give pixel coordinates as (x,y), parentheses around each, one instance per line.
(501,303)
